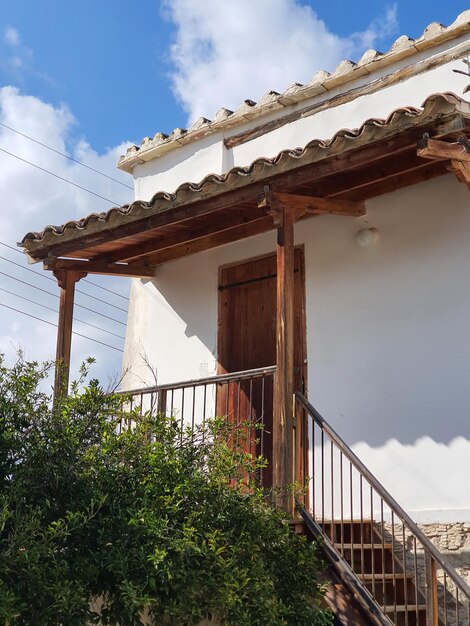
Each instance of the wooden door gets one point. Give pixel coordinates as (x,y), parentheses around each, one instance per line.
(247,340)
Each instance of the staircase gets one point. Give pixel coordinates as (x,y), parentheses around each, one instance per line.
(384,570)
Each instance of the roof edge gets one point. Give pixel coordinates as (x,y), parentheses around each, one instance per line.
(322,82)
(436,106)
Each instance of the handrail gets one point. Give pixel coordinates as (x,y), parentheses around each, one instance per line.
(397,563)
(383,493)
(363,595)
(244,400)
(209,380)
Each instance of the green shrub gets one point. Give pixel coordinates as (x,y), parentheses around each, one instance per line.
(141,519)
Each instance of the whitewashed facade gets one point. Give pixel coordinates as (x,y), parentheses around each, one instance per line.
(388,326)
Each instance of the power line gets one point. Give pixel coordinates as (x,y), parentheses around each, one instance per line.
(85,280)
(84,293)
(42,169)
(66,156)
(88,295)
(49,308)
(11,247)
(55,325)
(54,295)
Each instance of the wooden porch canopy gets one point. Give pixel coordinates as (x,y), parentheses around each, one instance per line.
(334,176)
(325,177)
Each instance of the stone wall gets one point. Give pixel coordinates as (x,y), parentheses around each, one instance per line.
(453,541)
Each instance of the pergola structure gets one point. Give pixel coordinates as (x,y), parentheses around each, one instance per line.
(325,177)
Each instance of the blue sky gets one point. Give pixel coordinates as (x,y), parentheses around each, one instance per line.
(87,77)
(109,61)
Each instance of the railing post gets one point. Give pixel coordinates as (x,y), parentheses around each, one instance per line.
(161,403)
(432,607)
(301,450)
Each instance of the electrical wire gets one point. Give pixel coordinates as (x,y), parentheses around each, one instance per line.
(49,308)
(85,280)
(40,319)
(115,293)
(42,169)
(84,293)
(54,295)
(66,156)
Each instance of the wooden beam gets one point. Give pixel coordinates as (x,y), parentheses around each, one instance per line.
(462,170)
(184,235)
(66,281)
(365,186)
(364,155)
(435,149)
(91,267)
(212,240)
(313,205)
(283,471)
(458,153)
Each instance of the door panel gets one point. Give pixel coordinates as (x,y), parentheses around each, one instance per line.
(247,340)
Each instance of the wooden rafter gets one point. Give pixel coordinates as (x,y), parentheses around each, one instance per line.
(211,240)
(206,227)
(91,267)
(300,205)
(462,170)
(179,214)
(436,149)
(458,153)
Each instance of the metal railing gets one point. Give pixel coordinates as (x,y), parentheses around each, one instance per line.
(404,573)
(244,399)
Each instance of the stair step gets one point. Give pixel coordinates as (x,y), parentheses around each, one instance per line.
(365,546)
(380,576)
(402,608)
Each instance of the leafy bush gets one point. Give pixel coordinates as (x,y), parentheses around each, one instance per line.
(100,526)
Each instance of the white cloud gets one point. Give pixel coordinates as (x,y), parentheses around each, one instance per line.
(11,36)
(378,29)
(17,60)
(30,200)
(225,52)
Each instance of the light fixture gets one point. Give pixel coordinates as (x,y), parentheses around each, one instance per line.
(367,237)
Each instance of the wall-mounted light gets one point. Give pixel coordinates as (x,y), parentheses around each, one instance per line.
(367,237)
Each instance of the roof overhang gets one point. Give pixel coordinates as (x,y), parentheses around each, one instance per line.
(353,166)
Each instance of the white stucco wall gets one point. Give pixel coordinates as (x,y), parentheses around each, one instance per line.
(388,328)
(388,332)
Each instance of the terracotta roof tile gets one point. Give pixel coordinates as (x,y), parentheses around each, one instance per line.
(372,129)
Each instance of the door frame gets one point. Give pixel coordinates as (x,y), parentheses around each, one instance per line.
(303,321)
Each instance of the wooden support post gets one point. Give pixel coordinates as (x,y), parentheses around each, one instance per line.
(286,209)
(283,473)
(66,281)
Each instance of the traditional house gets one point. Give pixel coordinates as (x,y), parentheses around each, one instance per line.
(309,254)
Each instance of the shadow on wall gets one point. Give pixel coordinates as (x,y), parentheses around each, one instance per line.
(191,292)
(389,339)
(388,327)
